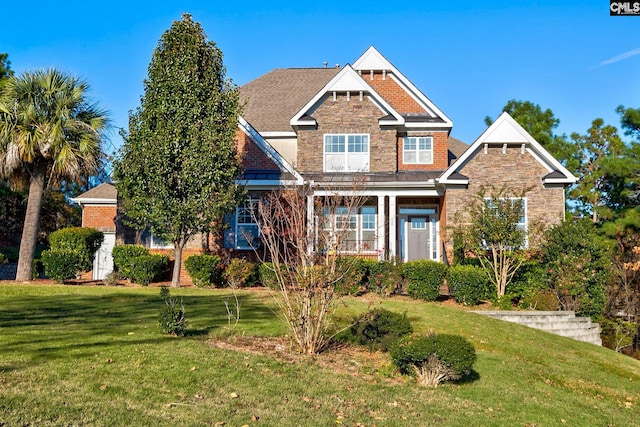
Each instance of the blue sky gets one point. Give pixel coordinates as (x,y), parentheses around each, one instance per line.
(469,57)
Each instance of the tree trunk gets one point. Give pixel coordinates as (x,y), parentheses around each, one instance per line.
(175,277)
(31,222)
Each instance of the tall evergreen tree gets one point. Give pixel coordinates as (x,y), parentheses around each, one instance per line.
(178,167)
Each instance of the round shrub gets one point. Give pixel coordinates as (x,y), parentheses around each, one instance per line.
(267,275)
(124,256)
(149,268)
(424,278)
(379,328)
(84,241)
(61,264)
(354,273)
(468,284)
(240,273)
(204,270)
(434,358)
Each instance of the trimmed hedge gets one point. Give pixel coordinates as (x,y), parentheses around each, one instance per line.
(124,256)
(267,275)
(204,270)
(61,264)
(469,284)
(241,273)
(385,278)
(424,278)
(149,268)
(84,241)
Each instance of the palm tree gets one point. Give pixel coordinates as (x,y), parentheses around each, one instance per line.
(49,132)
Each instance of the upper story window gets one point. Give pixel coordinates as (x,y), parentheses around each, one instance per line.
(417,150)
(346,153)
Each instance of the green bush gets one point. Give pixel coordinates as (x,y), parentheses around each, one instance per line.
(541,300)
(379,328)
(384,278)
(204,270)
(84,241)
(424,278)
(240,273)
(434,358)
(469,284)
(124,256)
(267,275)
(61,264)
(172,317)
(578,262)
(355,272)
(149,268)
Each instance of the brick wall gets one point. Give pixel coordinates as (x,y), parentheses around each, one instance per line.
(251,156)
(440,152)
(342,116)
(391,91)
(102,218)
(515,170)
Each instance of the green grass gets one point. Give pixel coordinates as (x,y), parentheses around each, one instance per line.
(72,355)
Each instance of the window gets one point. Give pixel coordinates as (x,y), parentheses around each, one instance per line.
(351,232)
(246,227)
(417,150)
(521,224)
(346,153)
(157,243)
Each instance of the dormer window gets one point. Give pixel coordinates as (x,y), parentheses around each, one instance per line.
(417,150)
(346,153)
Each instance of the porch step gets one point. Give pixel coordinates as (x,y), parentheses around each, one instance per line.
(563,323)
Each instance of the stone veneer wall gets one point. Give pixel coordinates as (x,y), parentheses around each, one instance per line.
(516,171)
(342,116)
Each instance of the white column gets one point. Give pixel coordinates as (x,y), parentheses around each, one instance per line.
(310,224)
(381,228)
(393,232)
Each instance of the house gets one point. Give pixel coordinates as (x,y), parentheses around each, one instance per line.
(368,122)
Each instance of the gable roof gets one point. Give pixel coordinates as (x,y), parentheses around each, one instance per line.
(274,98)
(505,130)
(104,193)
(372,60)
(347,80)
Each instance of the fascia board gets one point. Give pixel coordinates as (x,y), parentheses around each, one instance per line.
(93,201)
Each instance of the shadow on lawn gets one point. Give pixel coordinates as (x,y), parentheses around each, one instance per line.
(53,326)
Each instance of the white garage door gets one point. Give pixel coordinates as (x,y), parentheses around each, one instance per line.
(103,261)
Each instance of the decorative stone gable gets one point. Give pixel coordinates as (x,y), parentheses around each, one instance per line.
(516,170)
(347,115)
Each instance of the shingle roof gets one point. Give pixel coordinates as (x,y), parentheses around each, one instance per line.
(102,191)
(274,98)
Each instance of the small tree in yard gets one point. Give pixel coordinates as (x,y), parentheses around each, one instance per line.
(305,255)
(178,167)
(491,229)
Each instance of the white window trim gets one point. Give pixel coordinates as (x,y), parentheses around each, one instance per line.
(238,225)
(524,226)
(346,152)
(360,241)
(417,150)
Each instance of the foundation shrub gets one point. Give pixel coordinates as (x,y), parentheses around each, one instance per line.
(355,271)
(240,273)
(267,276)
(204,270)
(61,264)
(424,278)
(434,358)
(469,284)
(124,257)
(149,268)
(384,278)
(84,241)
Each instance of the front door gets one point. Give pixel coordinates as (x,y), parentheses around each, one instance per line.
(103,260)
(418,233)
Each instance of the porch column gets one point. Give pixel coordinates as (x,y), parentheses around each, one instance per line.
(381,228)
(392,227)
(310,224)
